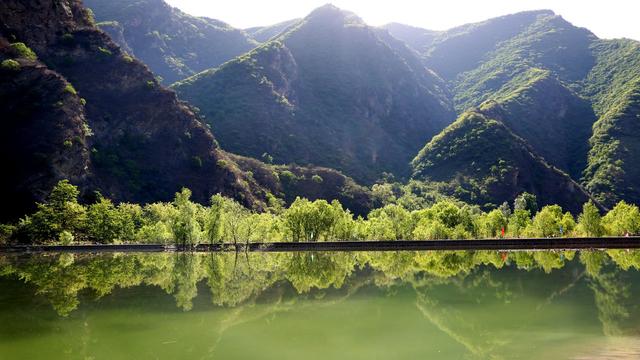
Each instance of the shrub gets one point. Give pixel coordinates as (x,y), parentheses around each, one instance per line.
(70,89)
(317,179)
(10,64)
(23,51)
(104,52)
(66,237)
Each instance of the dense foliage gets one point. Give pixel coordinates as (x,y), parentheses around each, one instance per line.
(63,220)
(480,161)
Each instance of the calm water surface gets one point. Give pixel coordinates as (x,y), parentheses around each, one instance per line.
(404,305)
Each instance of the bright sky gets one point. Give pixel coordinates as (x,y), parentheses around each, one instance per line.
(606,18)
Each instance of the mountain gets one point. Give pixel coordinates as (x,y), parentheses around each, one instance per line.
(417,38)
(115,129)
(95,115)
(330,92)
(557,86)
(44,130)
(552,118)
(613,85)
(173,44)
(265,33)
(479,160)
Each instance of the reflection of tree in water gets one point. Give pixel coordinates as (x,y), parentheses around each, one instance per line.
(238,278)
(614,295)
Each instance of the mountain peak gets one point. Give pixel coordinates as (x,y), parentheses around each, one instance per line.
(332,13)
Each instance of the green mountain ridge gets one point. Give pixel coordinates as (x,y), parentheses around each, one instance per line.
(540,104)
(173,44)
(329,92)
(265,33)
(114,129)
(592,95)
(458,158)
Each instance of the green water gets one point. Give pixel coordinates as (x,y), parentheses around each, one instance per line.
(406,305)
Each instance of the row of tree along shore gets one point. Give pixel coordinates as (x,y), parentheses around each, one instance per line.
(63,220)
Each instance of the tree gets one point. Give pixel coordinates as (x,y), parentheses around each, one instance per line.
(518,222)
(61,212)
(526,201)
(491,224)
(590,221)
(547,222)
(184,226)
(622,219)
(213,219)
(104,223)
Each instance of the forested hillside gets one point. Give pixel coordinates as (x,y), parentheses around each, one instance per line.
(324,107)
(482,162)
(329,92)
(553,84)
(173,44)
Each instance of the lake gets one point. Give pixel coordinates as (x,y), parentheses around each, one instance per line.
(392,305)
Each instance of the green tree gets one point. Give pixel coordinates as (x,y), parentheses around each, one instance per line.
(104,223)
(518,222)
(622,219)
(526,201)
(213,219)
(61,212)
(184,225)
(590,221)
(547,222)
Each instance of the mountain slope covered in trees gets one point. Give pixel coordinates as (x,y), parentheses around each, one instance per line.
(557,85)
(329,92)
(458,158)
(173,44)
(114,129)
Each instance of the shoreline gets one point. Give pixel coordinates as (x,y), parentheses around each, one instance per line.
(398,245)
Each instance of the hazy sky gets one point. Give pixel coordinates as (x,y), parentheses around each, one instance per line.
(606,18)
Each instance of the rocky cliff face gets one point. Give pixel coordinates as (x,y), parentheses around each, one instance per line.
(146,144)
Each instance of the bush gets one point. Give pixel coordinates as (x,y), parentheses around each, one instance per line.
(66,237)
(104,52)
(70,89)
(10,65)
(23,51)
(317,179)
